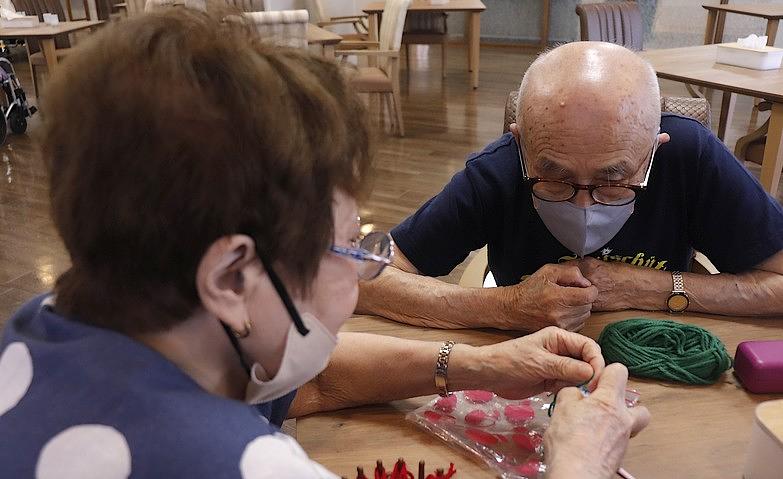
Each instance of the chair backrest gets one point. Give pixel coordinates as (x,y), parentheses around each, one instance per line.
(279,5)
(317,12)
(431,23)
(392,24)
(287,28)
(614,22)
(246,5)
(696,108)
(135,7)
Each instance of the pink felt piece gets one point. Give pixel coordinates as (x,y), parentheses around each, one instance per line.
(433,416)
(447,404)
(479,397)
(527,442)
(481,437)
(529,469)
(478,417)
(519,413)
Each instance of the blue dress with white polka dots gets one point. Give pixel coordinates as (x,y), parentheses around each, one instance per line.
(78,401)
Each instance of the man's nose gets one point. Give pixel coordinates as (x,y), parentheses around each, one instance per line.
(583,199)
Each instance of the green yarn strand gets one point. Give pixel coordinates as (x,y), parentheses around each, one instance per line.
(667,350)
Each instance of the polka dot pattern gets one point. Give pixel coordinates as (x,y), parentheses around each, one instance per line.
(87,451)
(278,456)
(16,375)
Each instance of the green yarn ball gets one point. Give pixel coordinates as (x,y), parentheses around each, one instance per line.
(659,349)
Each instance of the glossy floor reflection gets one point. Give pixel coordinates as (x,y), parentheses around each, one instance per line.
(445,120)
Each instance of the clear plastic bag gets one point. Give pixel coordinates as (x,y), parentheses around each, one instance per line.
(506,434)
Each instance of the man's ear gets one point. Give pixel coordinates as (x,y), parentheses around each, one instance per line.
(223,278)
(514,129)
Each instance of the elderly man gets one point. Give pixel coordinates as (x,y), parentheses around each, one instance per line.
(594,201)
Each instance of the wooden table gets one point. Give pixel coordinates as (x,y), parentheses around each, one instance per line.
(472,9)
(716,17)
(696,431)
(696,65)
(320,36)
(45,35)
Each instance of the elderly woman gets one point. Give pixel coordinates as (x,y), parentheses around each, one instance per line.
(207,194)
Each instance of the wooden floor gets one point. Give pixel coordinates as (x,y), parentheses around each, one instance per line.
(444,121)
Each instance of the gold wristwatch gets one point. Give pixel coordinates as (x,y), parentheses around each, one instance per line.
(678,300)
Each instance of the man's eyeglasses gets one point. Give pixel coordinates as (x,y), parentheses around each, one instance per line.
(374,252)
(611,194)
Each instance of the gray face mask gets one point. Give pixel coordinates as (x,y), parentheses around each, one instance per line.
(582,230)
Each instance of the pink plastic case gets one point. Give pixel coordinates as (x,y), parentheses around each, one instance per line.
(759,365)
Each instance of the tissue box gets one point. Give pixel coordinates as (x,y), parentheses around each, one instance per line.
(766,58)
(764,459)
(20,22)
(759,365)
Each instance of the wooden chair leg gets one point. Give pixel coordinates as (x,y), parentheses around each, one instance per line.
(381,122)
(36,87)
(398,110)
(387,97)
(443,59)
(408,56)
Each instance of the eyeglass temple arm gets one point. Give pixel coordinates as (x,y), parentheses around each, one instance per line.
(283,293)
(652,157)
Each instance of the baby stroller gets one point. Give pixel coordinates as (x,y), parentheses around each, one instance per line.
(14,104)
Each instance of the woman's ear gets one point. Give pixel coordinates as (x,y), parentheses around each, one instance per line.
(223,279)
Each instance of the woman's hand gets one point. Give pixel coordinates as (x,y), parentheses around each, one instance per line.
(588,435)
(543,361)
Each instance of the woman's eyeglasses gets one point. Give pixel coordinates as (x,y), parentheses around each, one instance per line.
(374,252)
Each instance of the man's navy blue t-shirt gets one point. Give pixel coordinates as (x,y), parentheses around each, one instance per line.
(699,197)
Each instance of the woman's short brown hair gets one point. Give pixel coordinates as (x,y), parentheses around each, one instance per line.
(167,131)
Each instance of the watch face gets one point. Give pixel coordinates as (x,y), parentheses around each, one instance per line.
(678,302)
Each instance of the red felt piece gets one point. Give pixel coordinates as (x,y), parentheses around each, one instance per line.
(529,469)
(433,416)
(481,437)
(477,417)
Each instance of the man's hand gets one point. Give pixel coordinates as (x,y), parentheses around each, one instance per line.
(588,435)
(623,286)
(518,368)
(555,295)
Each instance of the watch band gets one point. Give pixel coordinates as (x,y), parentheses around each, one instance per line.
(678,286)
(442,368)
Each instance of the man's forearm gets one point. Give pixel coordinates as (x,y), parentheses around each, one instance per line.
(755,293)
(369,369)
(424,301)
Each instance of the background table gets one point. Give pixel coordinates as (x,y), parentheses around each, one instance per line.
(716,17)
(696,65)
(320,36)
(472,9)
(696,431)
(45,34)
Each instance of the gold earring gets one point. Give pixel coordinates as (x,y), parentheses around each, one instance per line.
(246,332)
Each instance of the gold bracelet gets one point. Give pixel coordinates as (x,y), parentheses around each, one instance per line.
(442,368)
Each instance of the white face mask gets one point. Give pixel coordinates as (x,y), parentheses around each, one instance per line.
(304,357)
(582,230)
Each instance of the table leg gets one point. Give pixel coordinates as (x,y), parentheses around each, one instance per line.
(50,54)
(544,24)
(772,31)
(329,52)
(709,32)
(726,112)
(773,154)
(475,47)
(468,37)
(719,24)
(372,27)
(69,10)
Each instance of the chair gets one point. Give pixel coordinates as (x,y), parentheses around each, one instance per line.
(426,28)
(384,78)
(698,108)
(62,42)
(616,22)
(322,19)
(286,27)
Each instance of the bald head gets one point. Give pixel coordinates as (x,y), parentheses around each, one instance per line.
(587,106)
